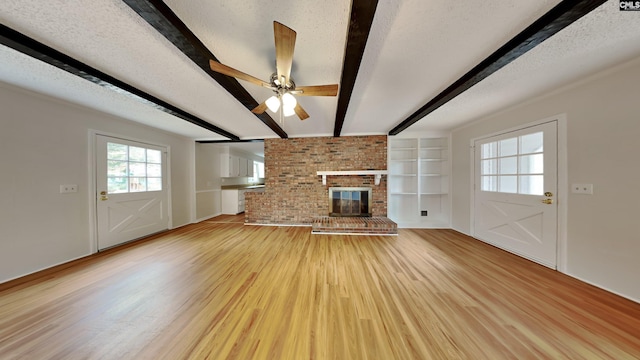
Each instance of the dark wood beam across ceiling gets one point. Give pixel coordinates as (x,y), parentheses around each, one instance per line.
(228,141)
(561,16)
(28,46)
(361,19)
(167,23)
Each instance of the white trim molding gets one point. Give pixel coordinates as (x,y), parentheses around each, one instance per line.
(377,173)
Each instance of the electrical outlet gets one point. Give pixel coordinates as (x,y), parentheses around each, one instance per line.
(585,189)
(423,213)
(69,188)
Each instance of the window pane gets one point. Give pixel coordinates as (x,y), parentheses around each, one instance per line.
(117,185)
(489,150)
(116,168)
(137,169)
(532,185)
(508,184)
(489,167)
(508,165)
(261,170)
(137,154)
(154,156)
(137,184)
(154,170)
(489,183)
(116,151)
(154,184)
(531,143)
(129,167)
(508,147)
(532,164)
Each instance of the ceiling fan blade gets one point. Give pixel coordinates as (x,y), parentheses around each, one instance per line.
(226,70)
(260,108)
(300,112)
(318,90)
(285,40)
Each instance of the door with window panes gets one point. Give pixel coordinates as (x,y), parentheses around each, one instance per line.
(132,196)
(516,191)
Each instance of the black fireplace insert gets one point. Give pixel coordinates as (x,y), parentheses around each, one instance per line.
(350,201)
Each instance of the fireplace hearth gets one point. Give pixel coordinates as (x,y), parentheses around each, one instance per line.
(350,201)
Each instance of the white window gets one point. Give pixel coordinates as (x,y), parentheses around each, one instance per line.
(514,165)
(133,169)
(258,170)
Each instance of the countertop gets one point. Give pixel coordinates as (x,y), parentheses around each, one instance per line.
(240,187)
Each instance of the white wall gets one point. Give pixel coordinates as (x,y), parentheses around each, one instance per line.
(208,180)
(44,142)
(603,134)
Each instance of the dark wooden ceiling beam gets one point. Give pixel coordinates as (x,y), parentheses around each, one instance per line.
(38,50)
(361,19)
(561,16)
(228,141)
(167,23)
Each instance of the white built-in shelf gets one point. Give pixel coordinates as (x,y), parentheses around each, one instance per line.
(377,173)
(419,181)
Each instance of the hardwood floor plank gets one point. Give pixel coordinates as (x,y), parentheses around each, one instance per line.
(221,290)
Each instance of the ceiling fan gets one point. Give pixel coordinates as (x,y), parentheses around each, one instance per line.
(280,82)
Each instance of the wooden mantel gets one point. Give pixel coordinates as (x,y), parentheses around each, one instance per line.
(377,173)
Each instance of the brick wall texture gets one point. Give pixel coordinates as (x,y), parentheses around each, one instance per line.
(294,194)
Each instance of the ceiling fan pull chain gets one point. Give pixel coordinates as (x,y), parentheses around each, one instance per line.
(281,114)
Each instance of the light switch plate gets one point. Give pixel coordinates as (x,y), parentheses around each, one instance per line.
(68,188)
(585,189)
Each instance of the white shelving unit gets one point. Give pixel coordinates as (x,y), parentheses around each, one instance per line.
(419,182)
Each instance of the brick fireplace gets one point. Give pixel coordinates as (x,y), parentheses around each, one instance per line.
(348,201)
(294,193)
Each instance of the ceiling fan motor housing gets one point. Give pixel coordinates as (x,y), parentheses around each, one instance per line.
(278,85)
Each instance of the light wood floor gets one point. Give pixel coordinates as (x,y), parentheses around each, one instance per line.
(221,290)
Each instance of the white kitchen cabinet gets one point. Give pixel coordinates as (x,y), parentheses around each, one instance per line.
(233,200)
(229,165)
(242,167)
(235,166)
(249,168)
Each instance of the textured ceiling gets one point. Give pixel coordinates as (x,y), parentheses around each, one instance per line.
(415,50)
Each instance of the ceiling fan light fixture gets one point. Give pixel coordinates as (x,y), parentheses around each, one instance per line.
(273,103)
(289,101)
(288,111)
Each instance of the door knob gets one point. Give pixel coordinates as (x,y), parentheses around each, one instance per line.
(547,201)
(103,196)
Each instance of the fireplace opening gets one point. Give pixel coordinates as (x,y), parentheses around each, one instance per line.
(350,201)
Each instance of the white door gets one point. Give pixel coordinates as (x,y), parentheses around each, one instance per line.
(132,194)
(516,192)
